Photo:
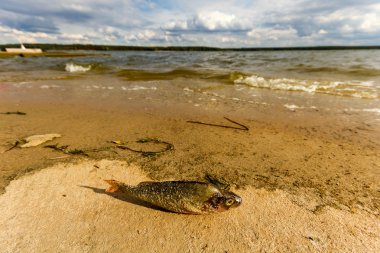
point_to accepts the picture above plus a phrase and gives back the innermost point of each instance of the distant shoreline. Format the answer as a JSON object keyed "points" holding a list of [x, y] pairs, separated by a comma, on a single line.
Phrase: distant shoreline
{"points": [[94, 47]]}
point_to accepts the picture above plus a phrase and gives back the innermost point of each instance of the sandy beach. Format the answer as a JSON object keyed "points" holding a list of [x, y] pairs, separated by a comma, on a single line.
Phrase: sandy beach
{"points": [[189, 126], [308, 178], [64, 208]]}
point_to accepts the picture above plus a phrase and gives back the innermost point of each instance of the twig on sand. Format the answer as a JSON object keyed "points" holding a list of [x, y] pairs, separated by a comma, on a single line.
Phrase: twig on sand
{"points": [[168, 147], [241, 126], [17, 113], [13, 146]]}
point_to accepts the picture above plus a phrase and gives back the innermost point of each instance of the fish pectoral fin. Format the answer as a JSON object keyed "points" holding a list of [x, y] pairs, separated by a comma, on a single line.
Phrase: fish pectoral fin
{"points": [[114, 185]]}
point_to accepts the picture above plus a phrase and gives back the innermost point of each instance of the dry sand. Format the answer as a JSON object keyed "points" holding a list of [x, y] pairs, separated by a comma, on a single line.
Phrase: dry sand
{"points": [[64, 209]]}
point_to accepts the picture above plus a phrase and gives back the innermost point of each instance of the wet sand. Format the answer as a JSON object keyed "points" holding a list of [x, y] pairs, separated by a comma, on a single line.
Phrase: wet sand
{"points": [[309, 179]]}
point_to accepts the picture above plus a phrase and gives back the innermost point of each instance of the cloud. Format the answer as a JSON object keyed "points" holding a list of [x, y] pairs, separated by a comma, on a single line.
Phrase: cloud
{"points": [[234, 23], [363, 19], [272, 34], [33, 24], [208, 21], [29, 37]]}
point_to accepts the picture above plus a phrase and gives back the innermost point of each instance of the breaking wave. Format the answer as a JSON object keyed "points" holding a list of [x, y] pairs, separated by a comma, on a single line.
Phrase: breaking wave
{"points": [[353, 88], [76, 68]]}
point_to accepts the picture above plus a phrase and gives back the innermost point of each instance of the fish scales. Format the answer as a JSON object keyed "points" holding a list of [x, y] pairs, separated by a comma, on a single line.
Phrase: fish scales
{"points": [[180, 196]]}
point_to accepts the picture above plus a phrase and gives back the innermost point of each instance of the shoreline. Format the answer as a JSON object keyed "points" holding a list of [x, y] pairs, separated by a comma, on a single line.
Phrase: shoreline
{"points": [[48, 54]]}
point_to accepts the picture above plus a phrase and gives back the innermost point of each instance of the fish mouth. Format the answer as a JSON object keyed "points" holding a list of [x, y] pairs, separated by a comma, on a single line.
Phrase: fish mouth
{"points": [[238, 201]]}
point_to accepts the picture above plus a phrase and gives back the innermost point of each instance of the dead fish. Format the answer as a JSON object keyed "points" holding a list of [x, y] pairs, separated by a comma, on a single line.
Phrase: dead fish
{"points": [[188, 197]]}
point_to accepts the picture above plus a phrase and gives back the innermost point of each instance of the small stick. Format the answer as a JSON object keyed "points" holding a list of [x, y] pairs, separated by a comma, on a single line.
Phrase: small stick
{"points": [[242, 127], [14, 146], [18, 113]]}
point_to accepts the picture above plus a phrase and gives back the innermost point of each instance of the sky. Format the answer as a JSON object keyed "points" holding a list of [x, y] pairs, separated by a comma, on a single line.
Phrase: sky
{"points": [[227, 23]]}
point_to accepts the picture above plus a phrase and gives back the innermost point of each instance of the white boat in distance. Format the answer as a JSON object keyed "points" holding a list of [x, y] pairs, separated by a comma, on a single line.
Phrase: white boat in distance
{"points": [[23, 49]]}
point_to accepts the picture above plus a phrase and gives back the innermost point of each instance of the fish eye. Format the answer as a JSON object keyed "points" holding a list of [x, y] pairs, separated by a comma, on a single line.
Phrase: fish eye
{"points": [[230, 202]]}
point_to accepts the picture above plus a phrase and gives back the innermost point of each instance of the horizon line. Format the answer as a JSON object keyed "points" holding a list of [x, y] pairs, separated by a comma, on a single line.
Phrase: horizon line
{"points": [[109, 47]]}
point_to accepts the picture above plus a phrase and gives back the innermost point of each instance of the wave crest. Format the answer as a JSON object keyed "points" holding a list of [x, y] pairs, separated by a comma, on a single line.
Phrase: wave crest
{"points": [[341, 88], [75, 68]]}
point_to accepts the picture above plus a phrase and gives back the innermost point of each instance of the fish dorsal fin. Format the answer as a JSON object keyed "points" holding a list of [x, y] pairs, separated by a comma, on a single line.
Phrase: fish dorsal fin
{"points": [[176, 181], [146, 183], [220, 183]]}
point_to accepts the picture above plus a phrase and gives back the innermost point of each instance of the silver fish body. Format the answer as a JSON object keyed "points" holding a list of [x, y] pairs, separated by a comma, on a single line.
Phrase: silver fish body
{"points": [[188, 197]]}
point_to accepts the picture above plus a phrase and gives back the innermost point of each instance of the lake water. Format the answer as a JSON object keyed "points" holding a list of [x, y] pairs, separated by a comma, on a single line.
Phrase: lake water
{"points": [[343, 80]]}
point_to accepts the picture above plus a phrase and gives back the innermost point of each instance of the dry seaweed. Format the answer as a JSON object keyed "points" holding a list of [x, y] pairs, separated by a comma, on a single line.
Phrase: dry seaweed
{"points": [[83, 152], [168, 146], [241, 126], [64, 150], [16, 113]]}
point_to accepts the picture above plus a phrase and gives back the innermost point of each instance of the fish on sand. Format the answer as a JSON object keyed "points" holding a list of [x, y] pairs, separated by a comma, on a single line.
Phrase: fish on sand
{"points": [[188, 197]]}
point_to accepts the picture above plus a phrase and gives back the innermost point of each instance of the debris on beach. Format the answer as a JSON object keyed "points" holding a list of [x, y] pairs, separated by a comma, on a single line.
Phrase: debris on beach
{"points": [[168, 146], [36, 140], [84, 152], [238, 127], [16, 113], [5, 148], [187, 197], [64, 149]]}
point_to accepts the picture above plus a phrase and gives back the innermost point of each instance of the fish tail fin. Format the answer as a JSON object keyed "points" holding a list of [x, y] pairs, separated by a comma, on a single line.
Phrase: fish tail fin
{"points": [[114, 185]]}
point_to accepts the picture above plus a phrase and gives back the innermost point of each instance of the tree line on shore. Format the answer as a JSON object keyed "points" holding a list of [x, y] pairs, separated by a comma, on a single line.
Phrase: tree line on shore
{"points": [[93, 47]]}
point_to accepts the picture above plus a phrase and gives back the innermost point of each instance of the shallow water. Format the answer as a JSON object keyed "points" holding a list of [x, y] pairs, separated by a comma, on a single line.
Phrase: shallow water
{"points": [[353, 73], [337, 82]]}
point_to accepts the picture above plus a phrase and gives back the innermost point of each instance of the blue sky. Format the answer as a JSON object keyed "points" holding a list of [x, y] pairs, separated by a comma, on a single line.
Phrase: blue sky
{"points": [[227, 23]]}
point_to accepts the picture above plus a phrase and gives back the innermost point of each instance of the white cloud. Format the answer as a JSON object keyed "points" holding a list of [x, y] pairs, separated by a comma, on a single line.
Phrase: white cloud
{"points": [[273, 34], [197, 22], [147, 37], [209, 21], [371, 22], [364, 19], [74, 38], [27, 37]]}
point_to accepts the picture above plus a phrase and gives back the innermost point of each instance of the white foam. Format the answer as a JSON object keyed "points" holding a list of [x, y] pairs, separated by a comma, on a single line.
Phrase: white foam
{"points": [[376, 110], [74, 68], [45, 86], [291, 107], [187, 89], [354, 88], [137, 87]]}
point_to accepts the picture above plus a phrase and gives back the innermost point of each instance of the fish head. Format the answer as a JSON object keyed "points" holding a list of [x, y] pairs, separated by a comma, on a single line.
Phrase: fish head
{"points": [[225, 201]]}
